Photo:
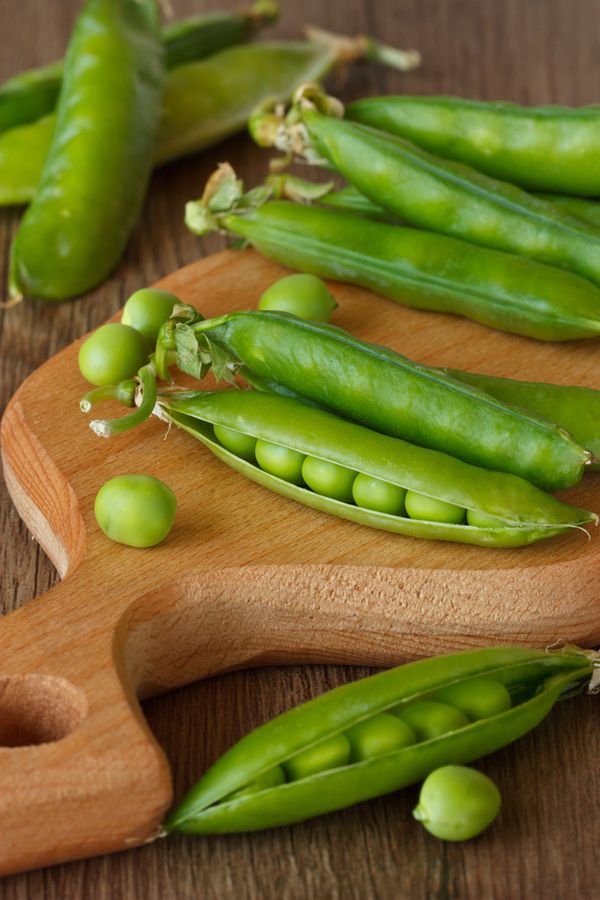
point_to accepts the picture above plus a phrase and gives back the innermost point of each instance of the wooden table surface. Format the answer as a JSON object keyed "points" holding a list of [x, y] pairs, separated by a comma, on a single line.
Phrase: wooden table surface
{"points": [[544, 843]]}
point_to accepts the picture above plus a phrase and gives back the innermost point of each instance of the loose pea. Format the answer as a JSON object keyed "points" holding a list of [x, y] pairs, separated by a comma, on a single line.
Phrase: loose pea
{"points": [[328, 478], [457, 803], [480, 698], [429, 719], [419, 506], [137, 510], [147, 309], [280, 461], [271, 778], [243, 445], [378, 735], [305, 296], [328, 754], [373, 493], [111, 354], [483, 520]]}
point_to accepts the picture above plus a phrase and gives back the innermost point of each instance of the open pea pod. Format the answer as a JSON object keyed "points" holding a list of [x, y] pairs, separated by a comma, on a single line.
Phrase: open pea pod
{"points": [[385, 391], [534, 680], [522, 513]]}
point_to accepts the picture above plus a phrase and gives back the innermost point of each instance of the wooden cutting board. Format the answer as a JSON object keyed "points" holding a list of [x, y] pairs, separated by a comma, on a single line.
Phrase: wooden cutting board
{"points": [[246, 578]]}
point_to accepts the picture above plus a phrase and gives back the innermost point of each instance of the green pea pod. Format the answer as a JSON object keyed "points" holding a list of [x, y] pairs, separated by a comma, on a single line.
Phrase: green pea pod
{"points": [[584, 209], [435, 194], [416, 268], [100, 158], [541, 678], [526, 513], [545, 148], [33, 94], [385, 391], [23, 152]]}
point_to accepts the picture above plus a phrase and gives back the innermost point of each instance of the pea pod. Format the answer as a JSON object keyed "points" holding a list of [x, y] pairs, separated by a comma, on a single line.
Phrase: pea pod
{"points": [[100, 158], [204, 102], [535, 679], [435, 194], [381, 389], [522, 513], [33, 94], [545, 148], [414, 267]]}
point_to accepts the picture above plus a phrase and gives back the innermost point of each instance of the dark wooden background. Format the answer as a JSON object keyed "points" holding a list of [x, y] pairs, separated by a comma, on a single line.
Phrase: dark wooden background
{"points": [[545, 841]]}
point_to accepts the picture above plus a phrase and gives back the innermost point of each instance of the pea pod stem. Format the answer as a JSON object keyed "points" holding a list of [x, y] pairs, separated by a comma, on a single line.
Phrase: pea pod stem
{"points": [[146, 397], [124, 393], [208, 809]]}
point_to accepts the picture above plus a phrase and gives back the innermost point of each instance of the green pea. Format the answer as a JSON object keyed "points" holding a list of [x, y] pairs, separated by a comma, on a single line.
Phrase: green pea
{"points": [[137, 510], [429, 719], [457, 803], [147, 310], [380, 734], [328, 478], [272, 778], [373, 493], [328, 754], [280, 461], [419, 506], [242, 445], [480, 698], [305, 296], [111, 354], [483, 520]]}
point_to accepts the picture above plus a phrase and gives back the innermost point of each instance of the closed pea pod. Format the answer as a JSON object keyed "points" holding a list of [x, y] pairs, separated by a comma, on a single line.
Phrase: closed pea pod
{"points": [[545, 148], [536, 680], [527, 513], [434, 194], [100, 158], [387, 392], [414, 267]]}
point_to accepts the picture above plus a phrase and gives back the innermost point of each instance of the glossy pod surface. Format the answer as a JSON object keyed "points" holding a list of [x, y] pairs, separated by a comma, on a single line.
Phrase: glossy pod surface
{"points": [[546, 148], [526, 513], [425, 270], [392, 394], [535, 680], [100, 158], [451, 198]]}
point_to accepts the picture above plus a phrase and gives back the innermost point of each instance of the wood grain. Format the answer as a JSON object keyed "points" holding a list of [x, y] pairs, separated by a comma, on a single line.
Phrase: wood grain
{"points": [[544, 844]]}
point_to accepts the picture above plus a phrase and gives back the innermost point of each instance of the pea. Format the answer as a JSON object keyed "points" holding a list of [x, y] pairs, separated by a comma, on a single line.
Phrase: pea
{"points": [[305, 296], [373, 493], [243, 445], [480, 698], [328, 754], [111, 354], [429, 719], [457, 803], [137, 510], [380, 734], [483, 520], [272, 778], [419, 506], [328, 478], [147, 310], [280, 461]]}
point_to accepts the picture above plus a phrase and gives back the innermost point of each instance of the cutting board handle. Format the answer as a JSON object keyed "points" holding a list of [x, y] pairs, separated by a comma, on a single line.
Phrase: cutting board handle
{"points": [[80, 771]]}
